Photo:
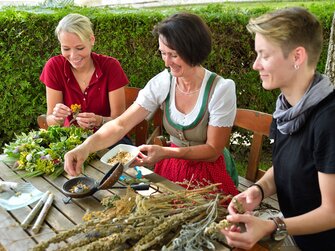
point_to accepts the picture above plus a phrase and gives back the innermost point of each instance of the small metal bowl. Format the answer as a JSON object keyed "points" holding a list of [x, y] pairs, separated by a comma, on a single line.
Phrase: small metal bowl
{"points": [[90, 185], [71, 184]]}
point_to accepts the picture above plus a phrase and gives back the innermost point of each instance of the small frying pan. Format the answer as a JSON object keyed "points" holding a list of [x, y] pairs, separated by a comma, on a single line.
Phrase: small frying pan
{"points": [[81, 187]]}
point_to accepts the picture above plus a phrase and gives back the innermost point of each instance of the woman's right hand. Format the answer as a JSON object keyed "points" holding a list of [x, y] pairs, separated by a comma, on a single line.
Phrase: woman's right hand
{"points": [[152, 156], [254, 229], [249, 199], [74, 160], [60, 112]]}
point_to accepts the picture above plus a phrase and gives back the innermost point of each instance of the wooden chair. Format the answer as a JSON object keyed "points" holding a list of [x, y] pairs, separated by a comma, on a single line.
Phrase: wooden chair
{"points": [[254, 121], [259, 124], [156, 126], [138, 134], [42, 121]]}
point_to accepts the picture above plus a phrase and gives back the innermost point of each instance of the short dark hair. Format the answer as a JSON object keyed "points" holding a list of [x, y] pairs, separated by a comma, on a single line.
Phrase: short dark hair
{"points": [[188, 35]]}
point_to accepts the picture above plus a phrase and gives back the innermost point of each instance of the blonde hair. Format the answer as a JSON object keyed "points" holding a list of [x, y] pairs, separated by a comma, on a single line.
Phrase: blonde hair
{"points": [[77, 24], [290, 28]]}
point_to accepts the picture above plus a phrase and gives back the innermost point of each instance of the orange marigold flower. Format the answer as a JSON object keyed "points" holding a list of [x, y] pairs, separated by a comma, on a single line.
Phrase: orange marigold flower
{"points": [[75, 108]]}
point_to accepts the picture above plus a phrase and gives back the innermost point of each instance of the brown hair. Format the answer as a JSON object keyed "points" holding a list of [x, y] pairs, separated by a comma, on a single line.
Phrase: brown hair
{"points": [[290, 28]]}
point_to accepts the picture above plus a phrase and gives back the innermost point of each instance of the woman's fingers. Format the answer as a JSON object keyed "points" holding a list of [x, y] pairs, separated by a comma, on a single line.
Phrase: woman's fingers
{"points": [[61, 111], [87, 120]]}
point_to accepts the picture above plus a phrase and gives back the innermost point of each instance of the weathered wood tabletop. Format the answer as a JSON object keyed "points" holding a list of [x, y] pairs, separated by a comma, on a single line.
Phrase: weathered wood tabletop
{"points": [[63, 216]]}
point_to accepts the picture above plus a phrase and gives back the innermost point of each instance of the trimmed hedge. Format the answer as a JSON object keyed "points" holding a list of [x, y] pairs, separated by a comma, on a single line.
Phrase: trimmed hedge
{"points": [[27, 41]]}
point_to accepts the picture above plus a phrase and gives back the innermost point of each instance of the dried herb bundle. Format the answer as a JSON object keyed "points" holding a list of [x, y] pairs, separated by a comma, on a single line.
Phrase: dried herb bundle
{"points": [[170, 221]]}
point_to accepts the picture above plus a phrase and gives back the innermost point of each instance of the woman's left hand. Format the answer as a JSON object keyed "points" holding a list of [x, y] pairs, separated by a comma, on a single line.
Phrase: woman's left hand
{"points": [[88, 120], [149, 155]]}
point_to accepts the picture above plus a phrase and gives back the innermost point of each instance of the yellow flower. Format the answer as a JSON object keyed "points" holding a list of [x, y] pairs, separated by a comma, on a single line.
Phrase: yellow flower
{"points": [[75, 108]]}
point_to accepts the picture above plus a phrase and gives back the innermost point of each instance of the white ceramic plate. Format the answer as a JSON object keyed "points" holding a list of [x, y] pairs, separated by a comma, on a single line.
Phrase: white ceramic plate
{"points": [[133, 150]]}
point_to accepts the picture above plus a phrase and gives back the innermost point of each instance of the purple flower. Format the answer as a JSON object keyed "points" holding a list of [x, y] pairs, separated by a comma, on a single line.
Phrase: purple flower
{"points": [[47, 157], [16, 150]]}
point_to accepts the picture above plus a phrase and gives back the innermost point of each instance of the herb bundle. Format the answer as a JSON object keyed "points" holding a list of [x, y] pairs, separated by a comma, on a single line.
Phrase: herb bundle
{"points": [[165, 221], [42, 151]]}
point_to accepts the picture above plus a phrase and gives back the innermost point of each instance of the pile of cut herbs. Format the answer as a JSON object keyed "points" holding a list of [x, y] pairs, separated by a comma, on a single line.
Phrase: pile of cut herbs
{"points": [[181, 220], [42, 151]]}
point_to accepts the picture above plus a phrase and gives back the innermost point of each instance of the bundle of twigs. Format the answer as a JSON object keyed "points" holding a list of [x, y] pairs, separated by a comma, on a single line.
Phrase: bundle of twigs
{"points": [[169, 221]]}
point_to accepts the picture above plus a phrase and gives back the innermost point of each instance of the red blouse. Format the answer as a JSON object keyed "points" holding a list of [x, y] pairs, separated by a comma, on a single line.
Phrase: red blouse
{"points": [[108, 76]]}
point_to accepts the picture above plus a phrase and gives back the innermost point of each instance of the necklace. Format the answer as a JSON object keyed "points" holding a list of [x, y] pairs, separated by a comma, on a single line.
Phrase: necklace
{"points": [[85, 80], [84, 83], [187, 93]]}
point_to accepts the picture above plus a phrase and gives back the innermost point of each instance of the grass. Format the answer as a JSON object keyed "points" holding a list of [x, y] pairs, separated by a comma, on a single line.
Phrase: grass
{"points": [[240, 148], [242, 163]]}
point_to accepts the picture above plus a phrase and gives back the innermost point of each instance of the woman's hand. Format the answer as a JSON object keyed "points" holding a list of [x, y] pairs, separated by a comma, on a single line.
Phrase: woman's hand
{"points": [[154, 153], [88, 120], [74, 160], [249, 199], [60, 112], [255, 230]]}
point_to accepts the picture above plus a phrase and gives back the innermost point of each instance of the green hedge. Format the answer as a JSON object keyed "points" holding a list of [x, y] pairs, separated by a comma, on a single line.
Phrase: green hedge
{"points": [[27, 41]]}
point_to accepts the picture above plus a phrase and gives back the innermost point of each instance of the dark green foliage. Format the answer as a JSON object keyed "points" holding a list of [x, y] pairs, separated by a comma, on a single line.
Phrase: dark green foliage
{"points": [[27, 41]]}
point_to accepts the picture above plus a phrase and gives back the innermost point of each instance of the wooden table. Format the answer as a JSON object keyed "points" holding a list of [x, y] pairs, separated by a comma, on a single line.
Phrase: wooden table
{"points": [[65, 216]]}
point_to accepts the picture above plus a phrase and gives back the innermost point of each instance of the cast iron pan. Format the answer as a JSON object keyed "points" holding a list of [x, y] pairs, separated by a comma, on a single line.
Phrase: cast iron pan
{"points": [[81, 187]]}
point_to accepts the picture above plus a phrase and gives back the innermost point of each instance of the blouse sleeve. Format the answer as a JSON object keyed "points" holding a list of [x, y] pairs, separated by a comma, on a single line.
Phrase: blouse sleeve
{"points": [[155, 92], [50, 74], [222, 106]]}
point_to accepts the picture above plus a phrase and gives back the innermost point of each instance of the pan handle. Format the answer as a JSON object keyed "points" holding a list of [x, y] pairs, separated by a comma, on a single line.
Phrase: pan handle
{"points": [[111, 177], [141, 186]]}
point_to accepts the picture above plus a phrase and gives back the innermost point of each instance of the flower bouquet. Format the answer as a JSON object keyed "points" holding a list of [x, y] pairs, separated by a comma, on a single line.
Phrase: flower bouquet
{"points": [[42, 151]]}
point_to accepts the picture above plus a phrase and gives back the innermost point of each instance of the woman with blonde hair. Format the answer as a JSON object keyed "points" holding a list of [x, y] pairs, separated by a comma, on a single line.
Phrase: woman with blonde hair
{"points": [[78, 76]]}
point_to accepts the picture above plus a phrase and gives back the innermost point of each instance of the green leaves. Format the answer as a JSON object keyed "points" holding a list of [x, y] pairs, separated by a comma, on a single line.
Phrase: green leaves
{"points": [[42, 152]]}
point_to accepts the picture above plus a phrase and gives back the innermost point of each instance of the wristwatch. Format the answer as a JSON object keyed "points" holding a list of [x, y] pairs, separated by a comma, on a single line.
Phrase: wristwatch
{"points": [[280, 232]]}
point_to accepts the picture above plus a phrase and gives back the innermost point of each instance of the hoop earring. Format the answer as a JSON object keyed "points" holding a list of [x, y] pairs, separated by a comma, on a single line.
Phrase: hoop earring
{"points": [[296, 66]]}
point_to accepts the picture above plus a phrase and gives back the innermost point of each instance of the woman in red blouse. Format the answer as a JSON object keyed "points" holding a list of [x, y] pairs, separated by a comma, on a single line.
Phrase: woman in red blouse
{"points": [[81, 77]]}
